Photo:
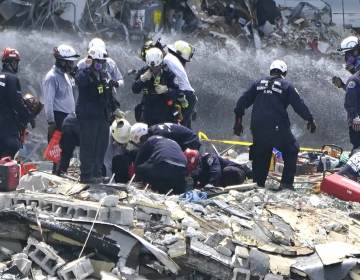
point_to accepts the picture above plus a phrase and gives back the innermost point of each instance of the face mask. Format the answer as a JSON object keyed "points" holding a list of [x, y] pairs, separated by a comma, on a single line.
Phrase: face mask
{"points": [[352, 63]]}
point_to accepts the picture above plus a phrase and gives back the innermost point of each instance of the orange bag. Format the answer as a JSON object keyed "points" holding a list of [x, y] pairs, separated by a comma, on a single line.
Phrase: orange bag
{"points": [[53, 151]]}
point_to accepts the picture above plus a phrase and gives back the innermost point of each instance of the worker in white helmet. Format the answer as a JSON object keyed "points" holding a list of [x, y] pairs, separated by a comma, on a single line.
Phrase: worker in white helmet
{"points": [[160, 91], [270, 124], [180, 53]]}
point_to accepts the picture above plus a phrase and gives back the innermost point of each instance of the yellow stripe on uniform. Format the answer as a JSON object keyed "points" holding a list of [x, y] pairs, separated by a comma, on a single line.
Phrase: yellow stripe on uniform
{"points": [[203, 137]]}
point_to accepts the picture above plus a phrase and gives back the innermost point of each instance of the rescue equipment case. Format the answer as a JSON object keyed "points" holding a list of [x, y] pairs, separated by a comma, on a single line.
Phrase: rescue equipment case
{"points": [[341, 187], [9, 174]]}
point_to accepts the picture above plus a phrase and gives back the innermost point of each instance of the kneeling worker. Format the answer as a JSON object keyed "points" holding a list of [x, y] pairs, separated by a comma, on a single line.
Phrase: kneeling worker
{"points": [[215, 170], [182, 135], [270, 124], [161, 163]]}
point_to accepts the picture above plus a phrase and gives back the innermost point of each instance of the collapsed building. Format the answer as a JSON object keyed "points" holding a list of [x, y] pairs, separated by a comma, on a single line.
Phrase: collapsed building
{"points": [[255, 23], [57, 228]]}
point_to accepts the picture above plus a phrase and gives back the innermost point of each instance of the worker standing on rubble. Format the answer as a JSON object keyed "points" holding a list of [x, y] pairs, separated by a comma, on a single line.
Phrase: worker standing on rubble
{"points": [[212, 169], [161, 163], [161, 92], [182, 135], [179, 54], [351, 48], [13, 110], [94, 114], [270, 124], [58, 89]]}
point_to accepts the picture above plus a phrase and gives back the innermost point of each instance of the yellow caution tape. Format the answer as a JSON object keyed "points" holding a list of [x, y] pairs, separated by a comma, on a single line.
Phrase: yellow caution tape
{"points": [[203, 137]]}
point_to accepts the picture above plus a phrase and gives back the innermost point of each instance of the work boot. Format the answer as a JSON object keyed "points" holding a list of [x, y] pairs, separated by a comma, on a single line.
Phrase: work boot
{"points": [[287, 186]]}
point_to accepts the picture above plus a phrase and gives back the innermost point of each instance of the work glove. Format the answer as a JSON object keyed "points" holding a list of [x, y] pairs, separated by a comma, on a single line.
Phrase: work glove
{"points": [[51, 129], [311, 126], [119, 114], [113, 83], [238, 128], [338, 82], [146, 76], [183, 102], [161, 89], [356, 124]]}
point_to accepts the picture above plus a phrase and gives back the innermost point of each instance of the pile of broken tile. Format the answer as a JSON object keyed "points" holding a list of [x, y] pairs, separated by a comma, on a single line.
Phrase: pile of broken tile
{"points": [[55, 228]]}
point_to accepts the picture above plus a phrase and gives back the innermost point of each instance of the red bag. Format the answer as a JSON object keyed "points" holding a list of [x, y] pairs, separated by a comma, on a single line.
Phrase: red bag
{"points": [[53, 151]]}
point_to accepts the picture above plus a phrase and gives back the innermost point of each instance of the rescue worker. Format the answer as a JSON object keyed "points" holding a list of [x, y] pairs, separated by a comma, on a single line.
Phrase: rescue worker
{"points": [[160, 91], [116, 160], [348, 47], [94, 114], [151, 44], [70, 139], [179, 54], [351, 48], [58, 90], [13, 110], [161, 163], [116, 79], [270, 124], [212, 169], [182, 135]]}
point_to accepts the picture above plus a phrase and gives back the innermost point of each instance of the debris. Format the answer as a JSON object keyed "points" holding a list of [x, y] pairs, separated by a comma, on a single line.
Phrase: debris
{"points": [[78, 269], [44, 256], [336, 252]]}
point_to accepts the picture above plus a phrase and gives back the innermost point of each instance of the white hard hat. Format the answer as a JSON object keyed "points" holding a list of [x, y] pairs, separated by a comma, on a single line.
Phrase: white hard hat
{"points": [[349, 43], [65, 52], [279, 65], [183, 49], [97, 53], [154, 57], [97, 42], [120, 131], [137, 131]]}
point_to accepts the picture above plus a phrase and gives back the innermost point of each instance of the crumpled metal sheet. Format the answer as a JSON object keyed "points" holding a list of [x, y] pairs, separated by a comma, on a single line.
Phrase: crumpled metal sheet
{"points": [[315, 270]]}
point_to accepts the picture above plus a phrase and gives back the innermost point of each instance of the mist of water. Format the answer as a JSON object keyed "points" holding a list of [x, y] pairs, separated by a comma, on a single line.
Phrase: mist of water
{"points": [[219, 76]]}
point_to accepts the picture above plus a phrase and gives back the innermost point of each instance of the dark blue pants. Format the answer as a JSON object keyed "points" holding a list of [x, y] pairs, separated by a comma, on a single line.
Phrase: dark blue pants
{"points": [[261, 153], [162, 176], [69, 141], [9, 146], [94, 136], [354, 138]]}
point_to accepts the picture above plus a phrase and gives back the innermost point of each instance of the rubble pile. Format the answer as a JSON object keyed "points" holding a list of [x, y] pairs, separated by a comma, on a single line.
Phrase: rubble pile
{"points": [[55, 228], [251, 23]]}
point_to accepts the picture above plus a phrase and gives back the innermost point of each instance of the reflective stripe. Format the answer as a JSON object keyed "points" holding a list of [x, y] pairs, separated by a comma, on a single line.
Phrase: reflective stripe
{"points": [[175, 163]]}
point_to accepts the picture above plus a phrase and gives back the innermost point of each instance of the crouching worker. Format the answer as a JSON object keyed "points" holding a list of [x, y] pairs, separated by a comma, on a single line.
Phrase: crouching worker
{"points": [[215, 170], [117, 157], [182, 135], [161, 163]]}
